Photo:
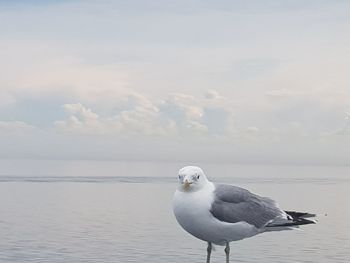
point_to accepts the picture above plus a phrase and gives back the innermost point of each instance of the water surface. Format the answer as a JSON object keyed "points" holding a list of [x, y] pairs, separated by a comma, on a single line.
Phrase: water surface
{"points": [[88, 211]]}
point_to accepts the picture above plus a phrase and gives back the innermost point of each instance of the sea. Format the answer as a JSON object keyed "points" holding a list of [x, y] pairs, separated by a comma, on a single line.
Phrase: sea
{"points": [[121, 211]]}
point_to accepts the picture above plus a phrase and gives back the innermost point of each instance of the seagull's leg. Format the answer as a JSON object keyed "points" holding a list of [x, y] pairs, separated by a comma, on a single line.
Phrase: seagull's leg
{"points": [[208, 252], [227, 251]]}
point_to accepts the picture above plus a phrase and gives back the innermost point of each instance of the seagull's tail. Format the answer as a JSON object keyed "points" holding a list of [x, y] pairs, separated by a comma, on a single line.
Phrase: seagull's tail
{"points": [[295, 219]]}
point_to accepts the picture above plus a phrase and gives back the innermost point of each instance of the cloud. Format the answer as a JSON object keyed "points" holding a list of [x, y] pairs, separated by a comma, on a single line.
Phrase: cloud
{"points": [[81, 120], [142, 119], [79, 109], [218, 120], [343, 131], [213, 95], [179, 114], [34, 70], [17, 127], [6, 98], [277, 93], [185, 111], [346, 127]]}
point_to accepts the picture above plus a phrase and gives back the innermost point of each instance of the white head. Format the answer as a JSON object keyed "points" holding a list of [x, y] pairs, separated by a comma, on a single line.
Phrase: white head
{"points": [[191, 179]]}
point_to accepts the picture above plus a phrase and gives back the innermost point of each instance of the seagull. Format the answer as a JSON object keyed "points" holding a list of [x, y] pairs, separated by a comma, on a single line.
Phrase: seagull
{"points": [[221, 213]]}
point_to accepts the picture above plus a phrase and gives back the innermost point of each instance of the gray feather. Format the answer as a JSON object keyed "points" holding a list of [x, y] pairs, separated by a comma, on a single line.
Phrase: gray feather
{"points": [[234, 204]]}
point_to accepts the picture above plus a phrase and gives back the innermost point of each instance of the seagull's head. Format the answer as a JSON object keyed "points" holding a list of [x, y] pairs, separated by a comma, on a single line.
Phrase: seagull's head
{"points": [[191, 179]]}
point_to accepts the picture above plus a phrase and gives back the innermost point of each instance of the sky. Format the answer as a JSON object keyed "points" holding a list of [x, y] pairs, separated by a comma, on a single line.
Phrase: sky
{"points": [[232, 81]]}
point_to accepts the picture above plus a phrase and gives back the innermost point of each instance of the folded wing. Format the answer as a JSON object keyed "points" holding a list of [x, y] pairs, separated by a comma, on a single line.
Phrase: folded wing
{"points": [[234, 204]]}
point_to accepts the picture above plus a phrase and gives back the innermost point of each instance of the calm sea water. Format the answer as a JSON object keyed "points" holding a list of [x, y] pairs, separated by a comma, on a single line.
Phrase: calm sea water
{"points": [[86, 211]]}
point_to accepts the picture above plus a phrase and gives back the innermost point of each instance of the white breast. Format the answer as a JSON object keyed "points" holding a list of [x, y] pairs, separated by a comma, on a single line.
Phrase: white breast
{"points": [[191, 208], [192, 211]]}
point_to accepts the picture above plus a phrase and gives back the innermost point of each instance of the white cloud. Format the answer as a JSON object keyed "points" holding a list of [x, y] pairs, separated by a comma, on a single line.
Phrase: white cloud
{"points": [[35, 70], [179, 114], [6, 98], [82, 121], [79, 109], [213, 95], [140, 120], [280, 93], [344, 130], [10, 127], [185, 111]]}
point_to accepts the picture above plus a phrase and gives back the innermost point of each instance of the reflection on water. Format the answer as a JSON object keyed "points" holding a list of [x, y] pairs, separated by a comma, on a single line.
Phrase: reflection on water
{"points": [[121, 212]]}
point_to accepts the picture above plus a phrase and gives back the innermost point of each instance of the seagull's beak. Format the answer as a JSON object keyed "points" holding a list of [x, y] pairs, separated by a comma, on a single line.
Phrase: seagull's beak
{"points": [[187, 185]]}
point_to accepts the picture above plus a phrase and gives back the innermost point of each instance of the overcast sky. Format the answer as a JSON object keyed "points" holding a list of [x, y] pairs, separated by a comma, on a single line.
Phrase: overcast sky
{"points": [[239, 81]]}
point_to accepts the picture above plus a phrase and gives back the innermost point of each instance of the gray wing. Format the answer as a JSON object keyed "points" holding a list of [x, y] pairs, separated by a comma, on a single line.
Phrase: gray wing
{"points": [[234, 204]]}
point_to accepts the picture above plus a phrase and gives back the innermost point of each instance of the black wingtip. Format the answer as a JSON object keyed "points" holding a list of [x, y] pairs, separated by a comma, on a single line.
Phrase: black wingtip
{"points": [[296, 219], [295, 214], [298, 222]]}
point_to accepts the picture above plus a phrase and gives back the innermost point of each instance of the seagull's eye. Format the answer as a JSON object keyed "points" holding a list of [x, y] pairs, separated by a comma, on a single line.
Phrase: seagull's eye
{"points": [[198, 176]]}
